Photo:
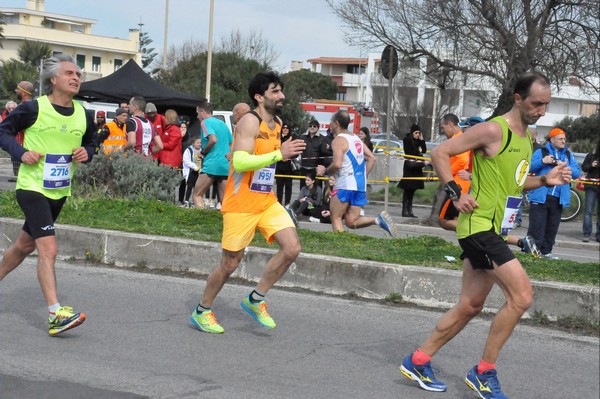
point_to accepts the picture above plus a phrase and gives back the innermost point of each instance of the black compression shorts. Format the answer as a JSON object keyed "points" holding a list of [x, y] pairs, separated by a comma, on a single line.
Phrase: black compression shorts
{"points": [[484, 248], [40, 212]]}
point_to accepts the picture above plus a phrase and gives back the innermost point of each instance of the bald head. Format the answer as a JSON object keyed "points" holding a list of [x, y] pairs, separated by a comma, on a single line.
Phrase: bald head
{"points": [[24, 91], [239, 110]]}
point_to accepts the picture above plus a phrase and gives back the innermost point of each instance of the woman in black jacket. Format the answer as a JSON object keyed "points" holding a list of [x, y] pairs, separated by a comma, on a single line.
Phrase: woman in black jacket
{"points": [[284, 184], [413, 145]]}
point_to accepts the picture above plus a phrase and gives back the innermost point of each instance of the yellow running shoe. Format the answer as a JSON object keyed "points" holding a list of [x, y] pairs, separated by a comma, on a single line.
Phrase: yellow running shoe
{"points": [[64, 320], [206, 321], [259, 312]]}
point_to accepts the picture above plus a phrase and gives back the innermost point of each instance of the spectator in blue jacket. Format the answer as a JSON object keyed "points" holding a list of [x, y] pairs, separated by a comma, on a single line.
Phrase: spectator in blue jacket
{"points": [[547, 203]]}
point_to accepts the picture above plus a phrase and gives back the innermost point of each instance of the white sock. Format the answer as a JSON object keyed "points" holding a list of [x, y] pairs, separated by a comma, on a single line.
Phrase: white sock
{"points": [[53, 308]]}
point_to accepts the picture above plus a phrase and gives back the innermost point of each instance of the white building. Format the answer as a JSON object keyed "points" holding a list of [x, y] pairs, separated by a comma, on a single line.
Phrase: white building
{"points": [[97, 56], [417, 96]]}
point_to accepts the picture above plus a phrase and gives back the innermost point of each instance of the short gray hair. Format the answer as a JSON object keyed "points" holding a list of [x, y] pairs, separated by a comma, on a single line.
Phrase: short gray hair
{"points": [[50, 70]]}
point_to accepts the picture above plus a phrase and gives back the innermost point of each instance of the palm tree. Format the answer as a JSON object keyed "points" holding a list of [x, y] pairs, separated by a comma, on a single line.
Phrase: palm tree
{"points": [[25, 68], [33, 52], [1, 29]]}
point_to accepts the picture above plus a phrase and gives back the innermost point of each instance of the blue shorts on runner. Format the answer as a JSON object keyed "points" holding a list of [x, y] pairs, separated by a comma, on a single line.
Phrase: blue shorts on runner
{"points": [[355, 198]]}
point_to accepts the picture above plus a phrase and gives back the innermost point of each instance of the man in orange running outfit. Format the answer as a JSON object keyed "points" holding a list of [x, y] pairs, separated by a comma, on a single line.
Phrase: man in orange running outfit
{"points": [[249, 203]]}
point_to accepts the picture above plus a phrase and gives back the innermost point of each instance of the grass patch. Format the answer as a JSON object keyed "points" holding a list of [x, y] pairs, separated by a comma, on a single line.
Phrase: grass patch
{"points": [[166, 219], [424, 197]]}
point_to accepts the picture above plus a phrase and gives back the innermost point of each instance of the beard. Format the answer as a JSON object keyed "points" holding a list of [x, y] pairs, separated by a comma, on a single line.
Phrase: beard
{"points": [[274, 106]]}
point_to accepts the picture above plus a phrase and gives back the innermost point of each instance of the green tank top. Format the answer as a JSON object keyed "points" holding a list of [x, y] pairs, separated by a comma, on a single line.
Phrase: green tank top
{"points": [[494, 180], [56, 136]]}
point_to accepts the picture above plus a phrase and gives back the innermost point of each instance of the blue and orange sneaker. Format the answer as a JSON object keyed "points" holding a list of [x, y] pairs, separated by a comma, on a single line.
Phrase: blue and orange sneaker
{"points": [[64, 319], [206, 321], [486, 384], [259, 312], [423, 375]]}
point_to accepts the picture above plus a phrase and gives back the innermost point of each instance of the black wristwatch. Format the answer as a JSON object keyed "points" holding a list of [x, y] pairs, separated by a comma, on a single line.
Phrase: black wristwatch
{"points": [[453, 190]]}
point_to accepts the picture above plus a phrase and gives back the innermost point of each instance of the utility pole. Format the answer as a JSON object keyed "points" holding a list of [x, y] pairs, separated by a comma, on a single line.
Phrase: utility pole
{"points": [[166, 30], [210, 46]]}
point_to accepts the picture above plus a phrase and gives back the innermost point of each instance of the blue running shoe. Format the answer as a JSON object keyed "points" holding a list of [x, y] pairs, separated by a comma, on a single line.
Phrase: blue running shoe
{"points": [[423, 375], [529, 247], [293, 216], [486, 385], [387, 223]]}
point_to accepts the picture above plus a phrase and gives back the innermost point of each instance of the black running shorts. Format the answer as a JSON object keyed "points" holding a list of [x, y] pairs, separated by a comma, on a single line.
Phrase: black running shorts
{"points": [[484, 248], [216, 178], [40, 212]]}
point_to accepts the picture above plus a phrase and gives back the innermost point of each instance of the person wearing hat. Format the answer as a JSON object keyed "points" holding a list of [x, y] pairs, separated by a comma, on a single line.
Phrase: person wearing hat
{"points": [[547, 203], [414, 145], [141, 135], [312, 155], [113, 135], [158, 121], [100, 121]]}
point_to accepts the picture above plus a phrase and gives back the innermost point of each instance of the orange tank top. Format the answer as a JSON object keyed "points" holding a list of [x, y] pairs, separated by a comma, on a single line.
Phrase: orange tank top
{"points": [[252, 191]]}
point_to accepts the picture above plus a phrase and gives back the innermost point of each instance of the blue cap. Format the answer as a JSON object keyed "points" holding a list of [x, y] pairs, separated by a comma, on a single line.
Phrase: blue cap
{"points": [[470, 122]]}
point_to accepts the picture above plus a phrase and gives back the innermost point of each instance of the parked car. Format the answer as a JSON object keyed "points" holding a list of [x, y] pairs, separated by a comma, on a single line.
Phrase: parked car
{"points": [[384, 136], [396, 147], [579, 157]]}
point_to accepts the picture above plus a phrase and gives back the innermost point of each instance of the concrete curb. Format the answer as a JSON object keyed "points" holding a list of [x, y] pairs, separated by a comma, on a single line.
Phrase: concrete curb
{"points": [[326, 274]]}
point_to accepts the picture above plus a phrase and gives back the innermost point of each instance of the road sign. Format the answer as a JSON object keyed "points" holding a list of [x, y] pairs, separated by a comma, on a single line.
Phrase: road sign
{"points": [[389, 62]]}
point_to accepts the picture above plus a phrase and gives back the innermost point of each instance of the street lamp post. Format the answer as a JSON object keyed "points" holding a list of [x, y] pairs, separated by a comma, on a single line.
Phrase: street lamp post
{"points": [[166, 30], [210, 46]]}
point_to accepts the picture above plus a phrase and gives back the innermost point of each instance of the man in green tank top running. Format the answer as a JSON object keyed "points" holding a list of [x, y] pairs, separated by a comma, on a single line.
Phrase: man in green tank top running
{"points": [[58, 135], [501, 157]]}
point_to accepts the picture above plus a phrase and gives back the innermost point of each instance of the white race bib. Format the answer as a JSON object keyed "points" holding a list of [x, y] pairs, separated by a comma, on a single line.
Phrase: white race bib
{"points": [[57, 170], [263, 179], [510, 214]]}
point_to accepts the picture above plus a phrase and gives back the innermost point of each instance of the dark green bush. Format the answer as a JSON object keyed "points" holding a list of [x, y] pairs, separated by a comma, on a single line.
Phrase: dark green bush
{"points": [[126, 175]]}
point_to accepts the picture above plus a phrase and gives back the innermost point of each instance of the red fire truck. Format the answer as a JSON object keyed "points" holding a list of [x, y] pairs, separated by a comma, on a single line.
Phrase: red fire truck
{"points": [[323, 110]]}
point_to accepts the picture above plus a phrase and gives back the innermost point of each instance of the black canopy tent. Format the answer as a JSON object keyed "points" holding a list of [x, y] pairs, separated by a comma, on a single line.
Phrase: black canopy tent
{"points": [[131, 80]]}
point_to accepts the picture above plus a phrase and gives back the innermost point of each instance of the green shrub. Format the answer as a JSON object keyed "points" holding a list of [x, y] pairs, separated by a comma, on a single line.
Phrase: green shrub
{"points": [[126, 175]]}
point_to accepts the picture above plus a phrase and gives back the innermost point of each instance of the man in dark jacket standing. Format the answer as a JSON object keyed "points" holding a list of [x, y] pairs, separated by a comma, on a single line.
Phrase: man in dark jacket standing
{"points": [[312, 155]]}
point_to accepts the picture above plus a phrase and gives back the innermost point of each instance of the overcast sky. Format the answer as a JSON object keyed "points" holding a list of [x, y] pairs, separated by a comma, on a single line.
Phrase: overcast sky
{"points": [[297, 29]]}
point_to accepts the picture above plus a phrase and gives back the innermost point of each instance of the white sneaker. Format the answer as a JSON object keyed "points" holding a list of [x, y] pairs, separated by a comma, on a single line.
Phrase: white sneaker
{"points": [[550, 256], [218, 206], [314, 220]]}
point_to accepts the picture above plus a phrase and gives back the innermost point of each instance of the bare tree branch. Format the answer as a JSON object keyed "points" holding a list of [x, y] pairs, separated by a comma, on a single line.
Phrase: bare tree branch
{"points": [[497, 39]]}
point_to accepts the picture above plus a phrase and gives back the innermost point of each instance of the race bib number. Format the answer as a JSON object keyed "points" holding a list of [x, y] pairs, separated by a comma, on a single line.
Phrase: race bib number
{"points": [[263, 179], [510, 214], [57, 170]]}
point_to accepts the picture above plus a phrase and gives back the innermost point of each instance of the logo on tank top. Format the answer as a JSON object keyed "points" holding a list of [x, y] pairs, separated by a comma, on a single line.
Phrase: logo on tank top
{"points": [[521, 172], [358, 146]]}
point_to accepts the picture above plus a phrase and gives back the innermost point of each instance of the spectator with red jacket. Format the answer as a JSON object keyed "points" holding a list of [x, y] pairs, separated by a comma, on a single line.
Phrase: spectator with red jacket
{"points": [[171, 153]]}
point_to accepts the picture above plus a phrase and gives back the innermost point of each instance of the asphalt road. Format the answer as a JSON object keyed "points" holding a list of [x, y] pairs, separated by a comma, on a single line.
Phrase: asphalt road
{"points": [[138, 343]]}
